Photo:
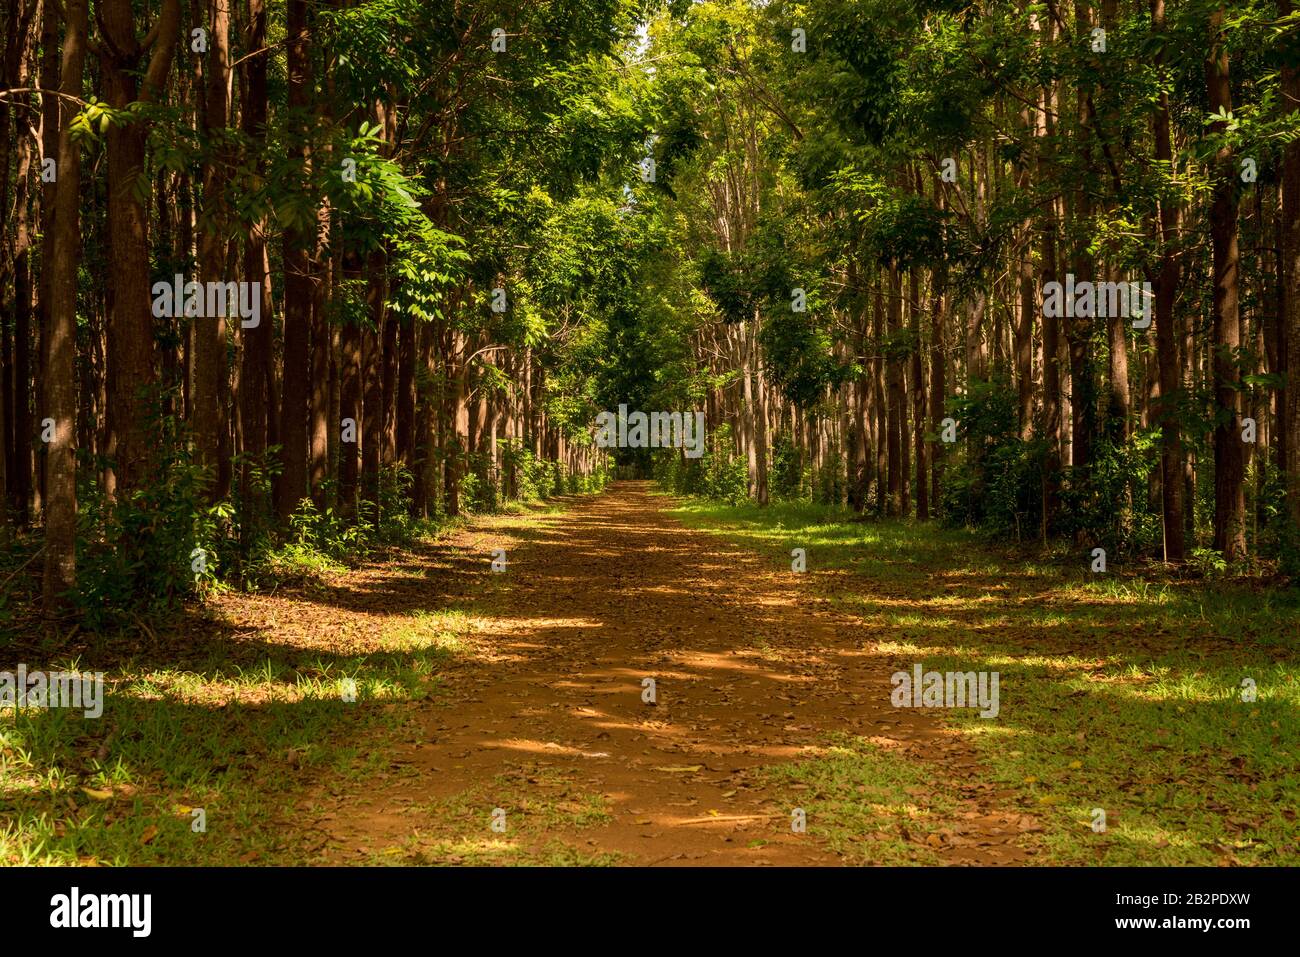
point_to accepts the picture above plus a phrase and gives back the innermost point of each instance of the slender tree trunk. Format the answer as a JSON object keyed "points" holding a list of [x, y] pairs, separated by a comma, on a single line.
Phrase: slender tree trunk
{"points": [[760, 417], [390, 362], [1290, 334], [861, 446], [425, 468], [453, 417], [372, 383], [210, 374], [25, 493], [322, 347], [406, 392], [294, 407], [919, 418], [1229, 461], [1024, 326], [897, 398], [1121, 402], [349, 399], [132, 366], [878, 396], [255, 394], [1167, 351], [60, 383]]}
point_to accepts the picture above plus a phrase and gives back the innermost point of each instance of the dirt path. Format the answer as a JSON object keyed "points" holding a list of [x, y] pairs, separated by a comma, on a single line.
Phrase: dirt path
{"points": [[546, 719]]}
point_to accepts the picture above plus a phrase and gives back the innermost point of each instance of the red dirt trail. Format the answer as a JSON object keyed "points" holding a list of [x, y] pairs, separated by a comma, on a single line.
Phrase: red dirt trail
{"points": [[752, 668]]}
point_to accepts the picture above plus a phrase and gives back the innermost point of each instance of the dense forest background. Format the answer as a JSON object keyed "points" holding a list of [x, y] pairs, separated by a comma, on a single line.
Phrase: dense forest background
{"points": [[465, 229]]}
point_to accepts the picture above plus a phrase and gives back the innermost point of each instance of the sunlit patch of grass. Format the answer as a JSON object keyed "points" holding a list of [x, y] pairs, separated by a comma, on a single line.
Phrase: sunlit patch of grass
{"points": [[864, 802], [293, 563], [228, 738], [1165, 749], [418, 850], [537, 507], [898, 647], [537, 801], [441, 634]]}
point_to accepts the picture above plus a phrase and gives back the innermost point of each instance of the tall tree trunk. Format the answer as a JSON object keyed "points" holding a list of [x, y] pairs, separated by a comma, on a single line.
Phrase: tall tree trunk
{"points": [[255, 394], [860, 448], [349, 399], [322, 347], [938, 386], [760, 417], [132, 355], [389, 373], [878, 395], [14, 387], [1229, 461], [50, 114], [1023, 331], [406, 392], [210, 374], [918, 408], [297, 244], [1078, 329], [425, 467], [1120, 403], [1167, 351], [60, 383], [372, 411], [894, 385], [938, 364], [453, 416], [319, 426], [1291, 283], [25, 454]]}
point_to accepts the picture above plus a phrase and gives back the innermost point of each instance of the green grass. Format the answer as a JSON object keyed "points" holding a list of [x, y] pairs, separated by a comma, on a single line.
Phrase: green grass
{"points": [[865, 803], [1121, 692], [231, 729], [536, 800]]}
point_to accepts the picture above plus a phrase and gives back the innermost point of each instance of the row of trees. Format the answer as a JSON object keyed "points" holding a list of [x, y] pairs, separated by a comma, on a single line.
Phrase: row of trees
{"points": [[463, 229], [877, 196], [413, 195]]}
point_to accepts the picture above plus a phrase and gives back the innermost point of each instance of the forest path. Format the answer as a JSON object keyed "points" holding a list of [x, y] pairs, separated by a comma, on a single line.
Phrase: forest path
{"points": [[544, 718]]}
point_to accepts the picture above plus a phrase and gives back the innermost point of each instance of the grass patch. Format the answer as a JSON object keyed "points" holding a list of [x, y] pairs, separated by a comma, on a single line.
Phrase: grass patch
{"points": [[536, 801], [865, 803], [229, 727], [1120, 692]]}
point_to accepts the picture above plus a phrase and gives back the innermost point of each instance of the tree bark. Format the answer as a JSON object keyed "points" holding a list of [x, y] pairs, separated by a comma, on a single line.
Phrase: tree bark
{"points": [[61, 383], [894, 386], [1291, 284], [1229, 461], [255, 393], [1167, 351], [210, 373], [297, 244], [132, 355], [349, 399]]}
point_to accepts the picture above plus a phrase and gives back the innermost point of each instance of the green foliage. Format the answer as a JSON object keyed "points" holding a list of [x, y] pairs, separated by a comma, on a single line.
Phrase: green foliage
{"points": [[831, 479], [997, 484], [1108, 506], [149, 550], [785, 478], [478, 491], [720, 474]]}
